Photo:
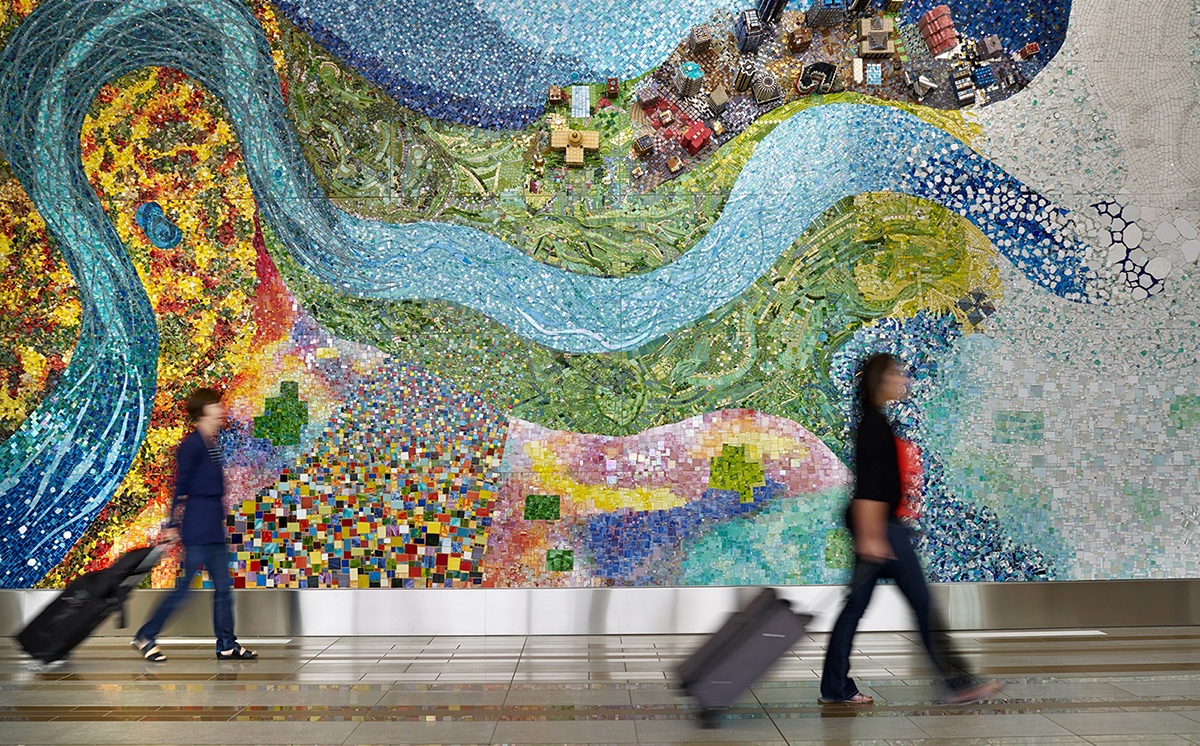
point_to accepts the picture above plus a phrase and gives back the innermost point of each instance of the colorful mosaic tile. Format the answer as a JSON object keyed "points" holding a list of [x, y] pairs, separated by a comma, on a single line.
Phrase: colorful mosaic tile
{"points": [[1017, 427], [454, 356], [396, 491], [731, 471], [501, 79], [839, 549], [284, 416], [560, 560], [630, 505], [542, 507]]}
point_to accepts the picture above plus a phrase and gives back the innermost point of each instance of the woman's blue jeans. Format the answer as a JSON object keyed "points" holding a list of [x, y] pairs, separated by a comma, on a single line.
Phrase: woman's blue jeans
{"points": [[214, 557], [905, 569]]}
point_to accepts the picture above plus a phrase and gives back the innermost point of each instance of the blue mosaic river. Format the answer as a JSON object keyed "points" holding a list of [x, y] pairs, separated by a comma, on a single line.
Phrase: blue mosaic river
{"points": [[67, 459]]}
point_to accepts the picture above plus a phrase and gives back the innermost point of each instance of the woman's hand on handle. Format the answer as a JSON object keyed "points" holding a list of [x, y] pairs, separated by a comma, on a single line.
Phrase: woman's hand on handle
{"points": [[869, 519], [874, 550]]}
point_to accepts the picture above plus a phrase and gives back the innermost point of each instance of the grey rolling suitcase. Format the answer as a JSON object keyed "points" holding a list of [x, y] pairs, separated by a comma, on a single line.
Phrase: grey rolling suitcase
{"points": [[740, 652]]}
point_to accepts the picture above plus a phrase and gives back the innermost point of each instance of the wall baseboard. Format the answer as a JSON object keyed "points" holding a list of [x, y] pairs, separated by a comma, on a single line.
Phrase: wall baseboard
{"points": [[632, 611]]}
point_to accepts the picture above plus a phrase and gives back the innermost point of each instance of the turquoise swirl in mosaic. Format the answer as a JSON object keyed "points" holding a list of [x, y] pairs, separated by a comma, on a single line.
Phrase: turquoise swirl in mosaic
{"points": [[62, 465]]}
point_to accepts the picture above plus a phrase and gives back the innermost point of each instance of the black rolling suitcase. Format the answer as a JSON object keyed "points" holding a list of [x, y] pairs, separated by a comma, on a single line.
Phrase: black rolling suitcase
{"points": [[740, 652], [84, 605]]}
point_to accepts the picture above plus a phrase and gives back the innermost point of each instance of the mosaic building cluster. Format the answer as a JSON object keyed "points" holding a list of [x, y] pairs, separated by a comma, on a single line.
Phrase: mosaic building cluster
{"points": [[529, 294]]}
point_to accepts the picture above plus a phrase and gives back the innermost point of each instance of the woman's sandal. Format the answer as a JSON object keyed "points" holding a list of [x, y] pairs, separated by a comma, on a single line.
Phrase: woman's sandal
{"points": [[978, 693], [857, 699], [237, 654], [149, 651]]}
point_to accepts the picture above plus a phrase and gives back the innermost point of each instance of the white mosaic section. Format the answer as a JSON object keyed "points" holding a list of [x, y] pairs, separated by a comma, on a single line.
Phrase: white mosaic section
{"points": [[1112, 474], [1116, 109], [1111, 128]]}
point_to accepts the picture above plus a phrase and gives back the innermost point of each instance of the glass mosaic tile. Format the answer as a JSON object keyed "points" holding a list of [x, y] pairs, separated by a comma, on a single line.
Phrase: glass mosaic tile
{"points": [[452, 358]]}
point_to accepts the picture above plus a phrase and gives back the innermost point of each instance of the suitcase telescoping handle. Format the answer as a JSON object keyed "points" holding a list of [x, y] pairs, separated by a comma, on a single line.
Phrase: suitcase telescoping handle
{"points": [[147, 564]]}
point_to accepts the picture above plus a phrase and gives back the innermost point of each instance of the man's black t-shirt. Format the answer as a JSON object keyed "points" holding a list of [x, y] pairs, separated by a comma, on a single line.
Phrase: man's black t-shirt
{"points": [[876, 465]]}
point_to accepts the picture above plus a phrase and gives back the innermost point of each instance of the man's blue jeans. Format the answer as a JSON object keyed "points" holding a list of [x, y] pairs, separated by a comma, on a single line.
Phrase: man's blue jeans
{"points": [[214, 558]]}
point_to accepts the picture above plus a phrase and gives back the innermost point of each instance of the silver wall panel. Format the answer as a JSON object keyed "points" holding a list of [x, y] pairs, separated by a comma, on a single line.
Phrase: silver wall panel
{"points": [[629, 611]]}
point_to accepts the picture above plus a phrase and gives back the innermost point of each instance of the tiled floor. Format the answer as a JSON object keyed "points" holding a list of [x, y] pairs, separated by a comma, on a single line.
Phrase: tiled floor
{"points": [[1131, 685]]}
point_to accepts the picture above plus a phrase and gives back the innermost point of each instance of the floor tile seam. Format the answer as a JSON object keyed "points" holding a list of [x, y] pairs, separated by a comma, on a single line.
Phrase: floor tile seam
{"points": [[598, 654], [598, 651], [885, 710], [512, 679], [933, 735], [570, 712], [1095, 641], [770, 716], [262, 695], [1075, 671], [1103, 644], [1127, 736], [269, 679]]}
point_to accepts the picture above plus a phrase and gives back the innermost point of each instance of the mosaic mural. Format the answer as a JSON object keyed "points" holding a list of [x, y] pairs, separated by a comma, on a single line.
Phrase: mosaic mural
{"points": [[550, 294]]}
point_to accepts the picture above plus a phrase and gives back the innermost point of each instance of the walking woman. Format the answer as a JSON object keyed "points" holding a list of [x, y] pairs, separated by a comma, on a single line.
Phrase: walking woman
{"points": [[197, 519], [883, 544]]}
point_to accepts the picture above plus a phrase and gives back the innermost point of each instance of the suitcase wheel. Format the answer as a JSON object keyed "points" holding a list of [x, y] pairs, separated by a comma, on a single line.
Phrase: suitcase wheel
{"points": [[710, 718]]}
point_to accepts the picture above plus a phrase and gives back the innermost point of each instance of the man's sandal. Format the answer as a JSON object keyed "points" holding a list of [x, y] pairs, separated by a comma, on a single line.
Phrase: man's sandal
{"points": [[149, 650], [237, 654]]}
